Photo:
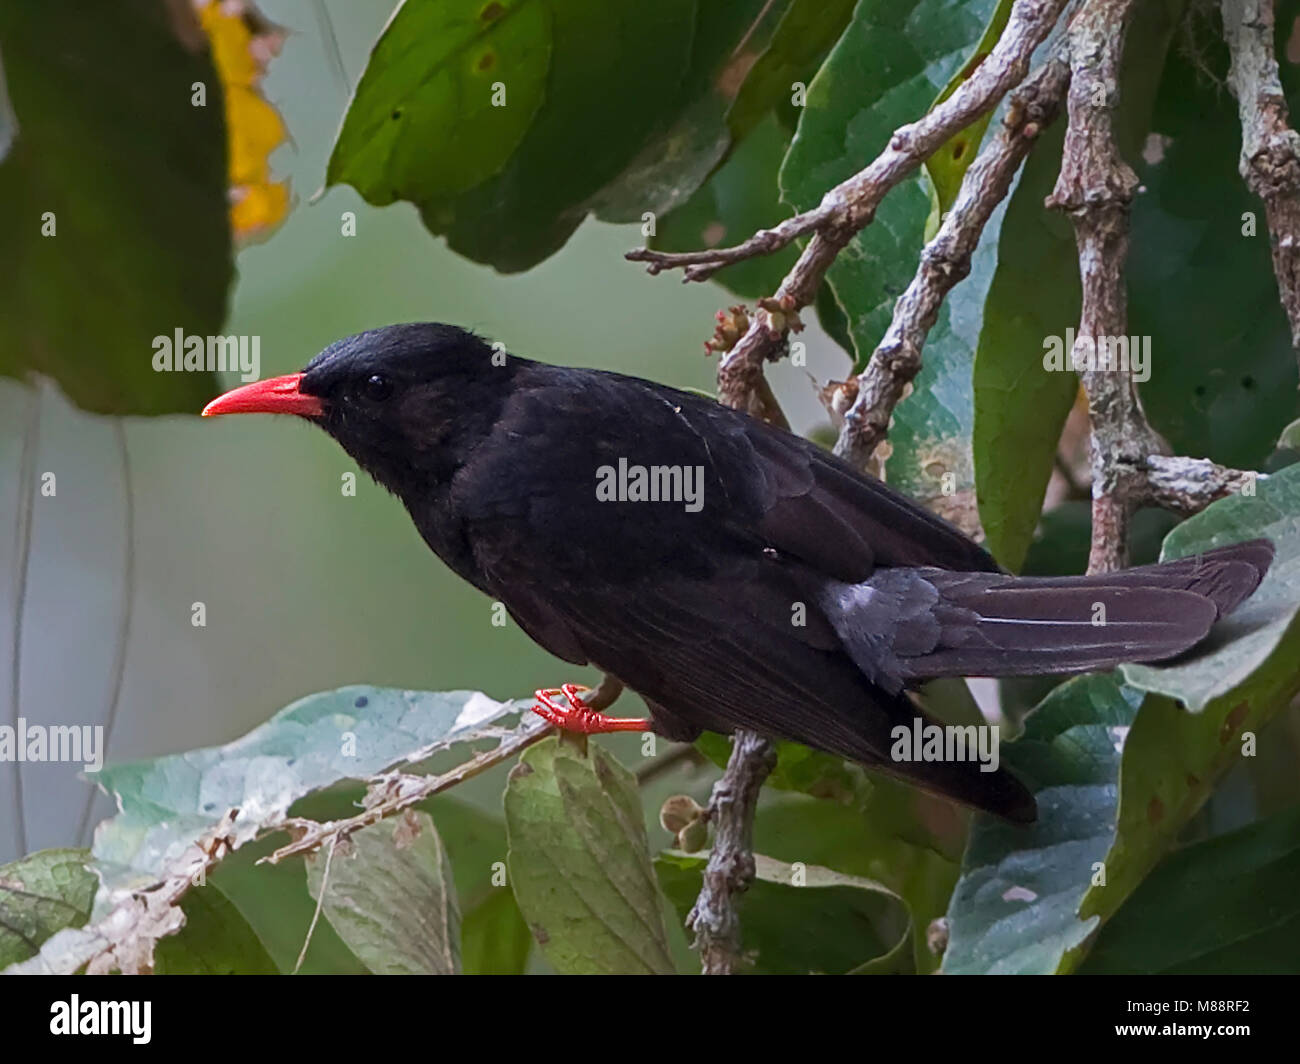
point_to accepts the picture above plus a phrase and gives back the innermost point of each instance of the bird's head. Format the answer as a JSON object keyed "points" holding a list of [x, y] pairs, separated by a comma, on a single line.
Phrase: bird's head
{"points": [[406, 401]]}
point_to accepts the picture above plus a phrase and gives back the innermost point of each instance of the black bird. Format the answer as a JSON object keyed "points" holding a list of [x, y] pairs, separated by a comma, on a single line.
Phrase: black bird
{"points": [[770, 586]]}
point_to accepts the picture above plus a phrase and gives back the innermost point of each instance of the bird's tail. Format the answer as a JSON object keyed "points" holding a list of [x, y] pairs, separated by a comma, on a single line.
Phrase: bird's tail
{"points": [[986, 624]]}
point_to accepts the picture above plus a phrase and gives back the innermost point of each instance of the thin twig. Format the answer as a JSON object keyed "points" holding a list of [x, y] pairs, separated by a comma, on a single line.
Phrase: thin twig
{"points": [[851, 205], [118, 671], [330, 40], [1270, 148], [730, 869], [22, 566], [398, 791], [945, 261], [403, 791], [1188, 485], [320, 903], [665, 763]]}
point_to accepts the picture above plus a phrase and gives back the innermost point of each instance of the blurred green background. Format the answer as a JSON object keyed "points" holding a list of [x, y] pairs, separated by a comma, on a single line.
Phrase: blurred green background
{"points": [[305, 589]]}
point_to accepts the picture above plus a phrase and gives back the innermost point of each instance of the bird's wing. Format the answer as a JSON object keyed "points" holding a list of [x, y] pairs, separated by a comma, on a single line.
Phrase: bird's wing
{"points": [[821, 510], [760, 487]]}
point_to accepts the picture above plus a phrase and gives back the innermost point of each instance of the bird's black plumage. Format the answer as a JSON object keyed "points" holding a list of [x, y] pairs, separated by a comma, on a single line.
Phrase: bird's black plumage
{"points": [[801, 599]]}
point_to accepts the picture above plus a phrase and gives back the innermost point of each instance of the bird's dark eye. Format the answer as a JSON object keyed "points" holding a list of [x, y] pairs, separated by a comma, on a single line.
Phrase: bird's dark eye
{"points": [[377, 387]]}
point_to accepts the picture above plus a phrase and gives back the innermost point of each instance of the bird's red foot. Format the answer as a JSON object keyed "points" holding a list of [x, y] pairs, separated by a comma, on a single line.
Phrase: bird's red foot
{"points": [[577, 716]]}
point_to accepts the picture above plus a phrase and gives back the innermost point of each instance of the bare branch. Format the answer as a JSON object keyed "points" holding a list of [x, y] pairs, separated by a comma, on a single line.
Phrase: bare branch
{"points": [[125, 938], [683, 754], [394, 792], [844, 210], [730, 870], [945, 261], [701, 265], [1188, 485], [1096, 188], [1270, 149], [850, 206]]}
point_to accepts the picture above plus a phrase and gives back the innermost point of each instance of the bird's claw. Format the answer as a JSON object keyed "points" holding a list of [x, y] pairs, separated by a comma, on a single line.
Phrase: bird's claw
{"points": [[574, 715]]}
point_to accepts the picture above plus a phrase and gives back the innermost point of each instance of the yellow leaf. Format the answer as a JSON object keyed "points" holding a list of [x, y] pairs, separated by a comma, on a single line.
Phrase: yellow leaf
{"points": [[243, 43]]}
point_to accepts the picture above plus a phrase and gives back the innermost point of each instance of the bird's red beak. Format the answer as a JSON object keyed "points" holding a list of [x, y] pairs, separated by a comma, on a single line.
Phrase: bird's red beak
{"points": [[275, 395]]}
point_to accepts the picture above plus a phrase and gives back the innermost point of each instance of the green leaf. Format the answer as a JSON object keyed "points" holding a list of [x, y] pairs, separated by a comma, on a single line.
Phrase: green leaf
{"points": [[1014, 909], [1289, 437], [798, 919], [170, 804], [931, 457], [1172, 757], [40, 894], [579, 862], [801, 768], [673, 163], [1222, 371], [1020, 409], [855, 103], [274, 900], [353, 732], [886, 69], [494, 940], [947, 167], [890, 806], [389, 894], [216, 940], [739, 199], [638, 92], [611, 67], [1224, 906], [1030, 899], [1263, 630], [422, 123], [876, 846], [806, 33], [140, 244]]}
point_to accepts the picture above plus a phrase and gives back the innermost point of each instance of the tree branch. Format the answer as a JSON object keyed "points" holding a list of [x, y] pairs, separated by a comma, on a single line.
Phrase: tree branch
{"points": [[851, 205], [1270, 149], [945, 261], [730, 870], [1096, 188], [844, 210], [394, 792], [1188, 485]]}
